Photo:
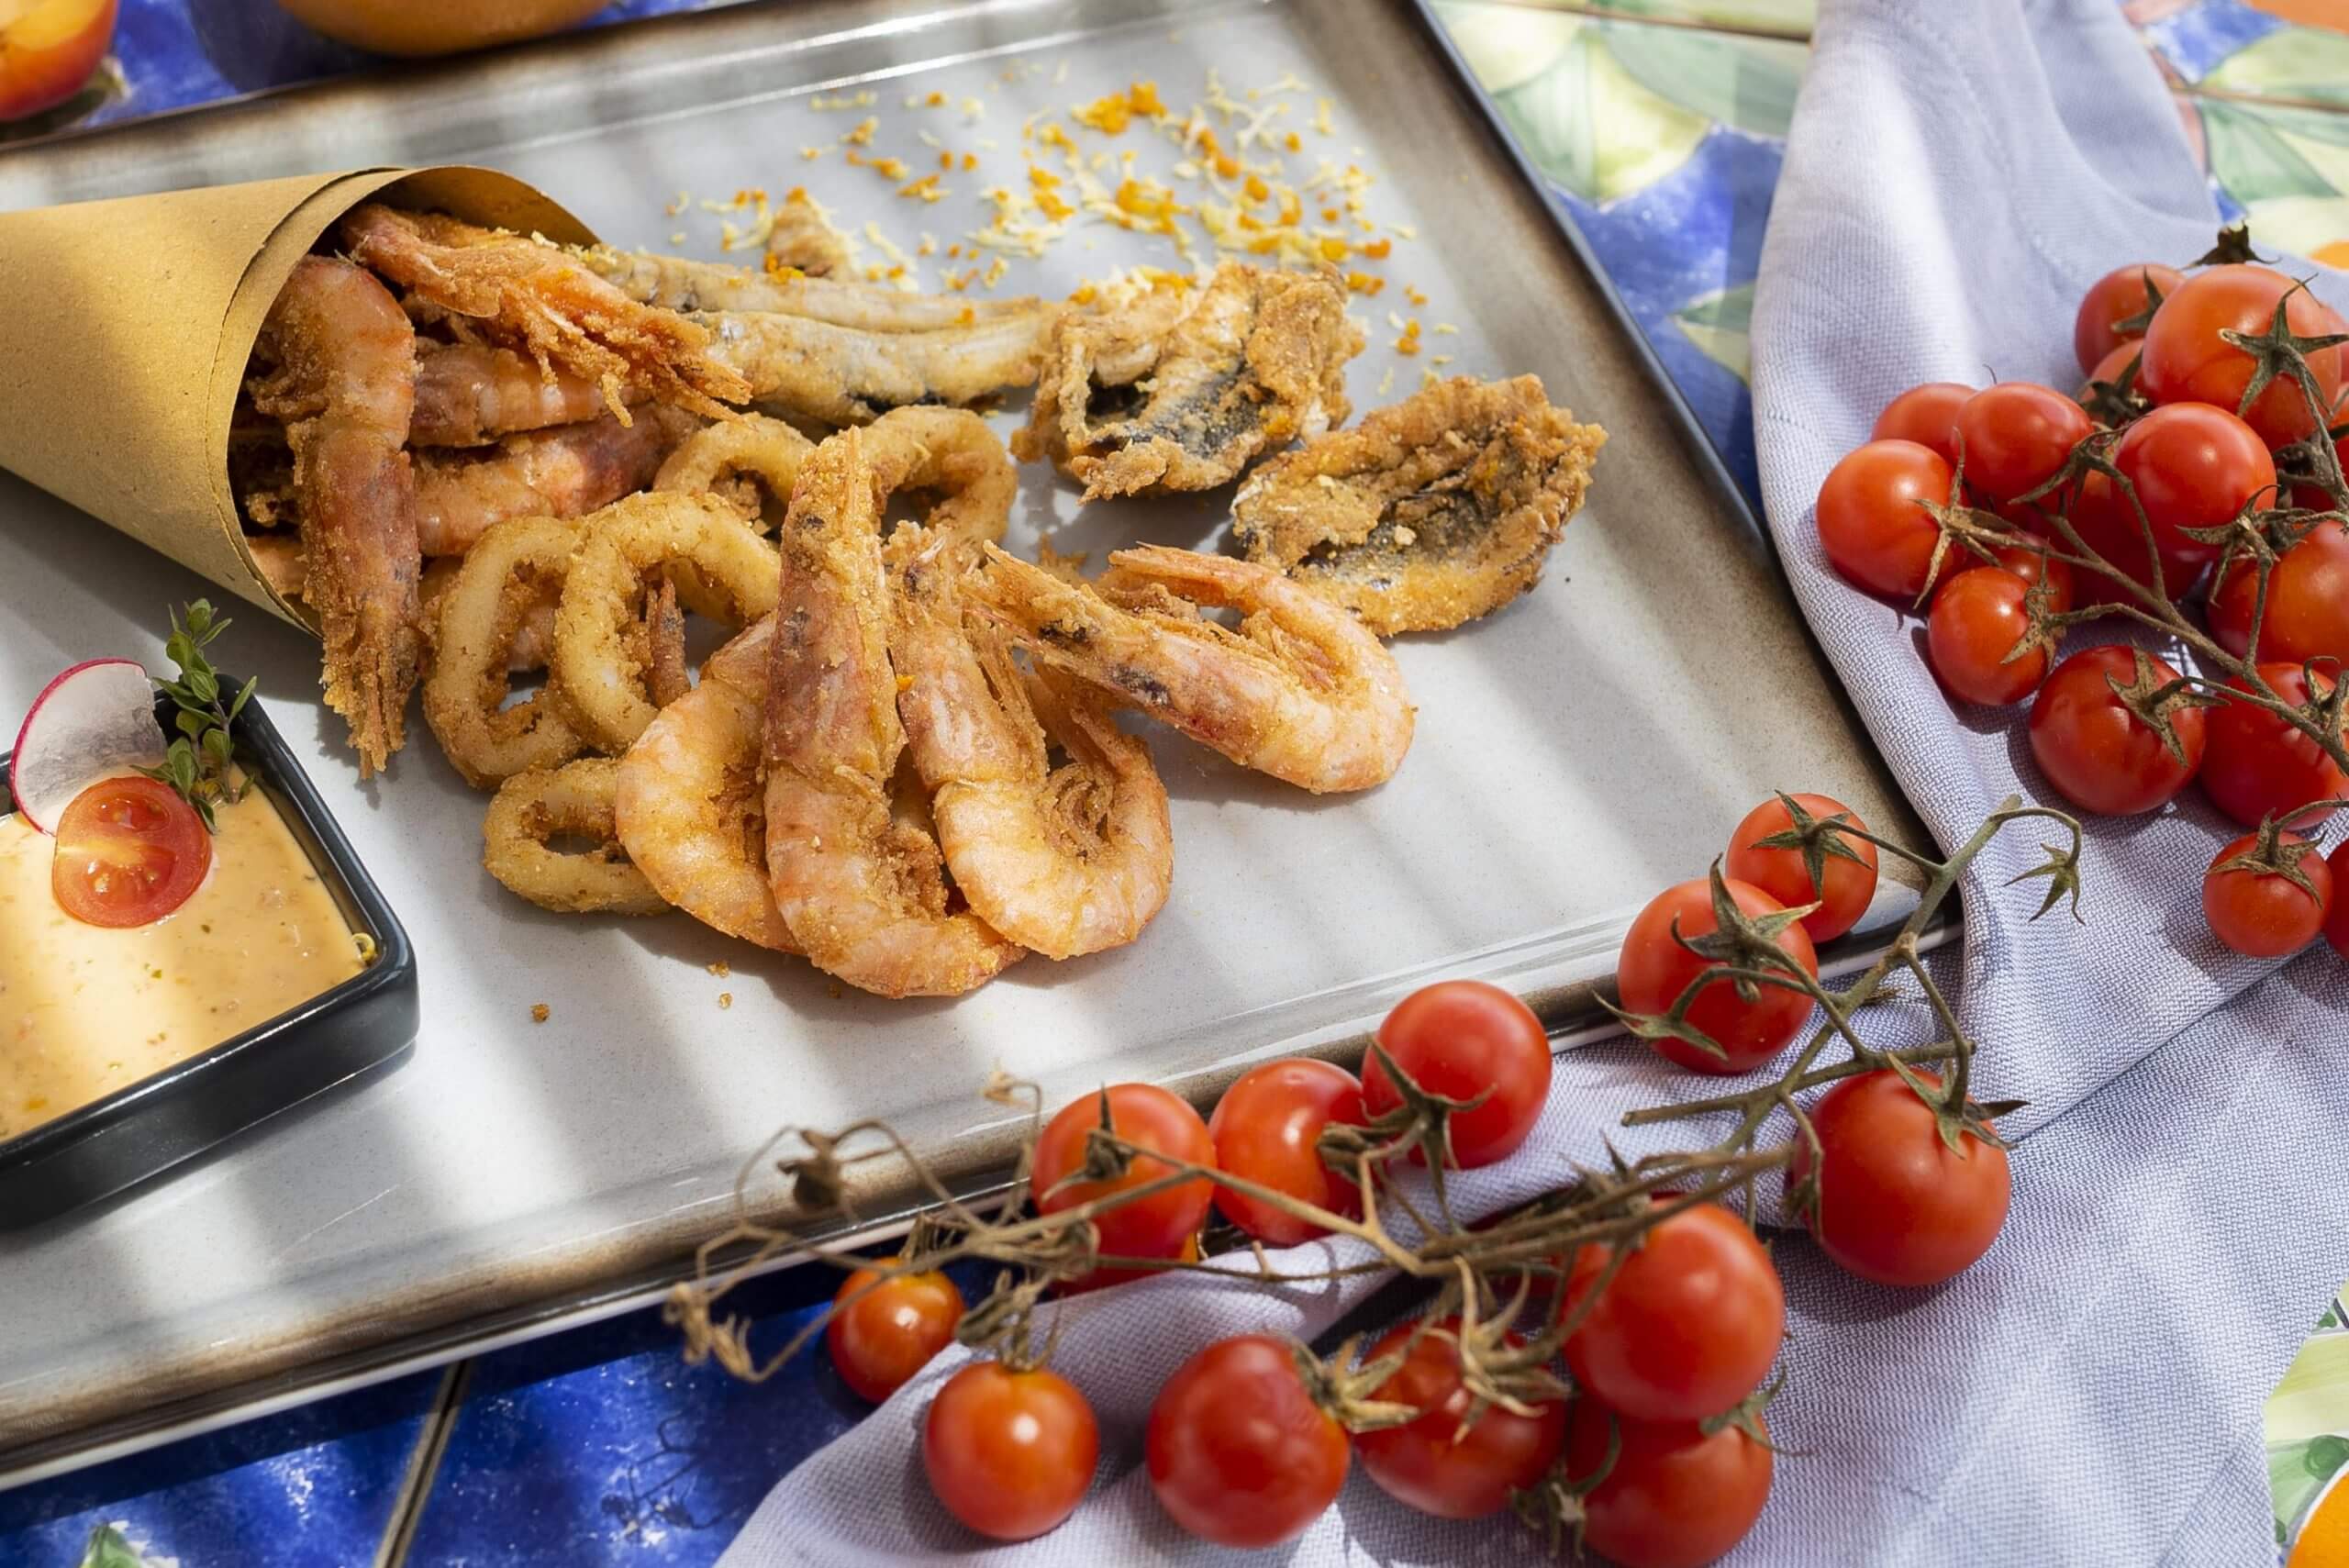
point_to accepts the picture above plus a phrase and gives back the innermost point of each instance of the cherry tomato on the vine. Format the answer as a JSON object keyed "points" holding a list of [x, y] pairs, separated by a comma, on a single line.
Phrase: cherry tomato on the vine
{"points": [[1870, 522], [2263, 914], [1010, 1453], [1782, 874], [2337, 923], [1109, 1275], [2308, 601], [1653, 970], [2188, 362], [2014, 437], [2119, 295], [1238, 1450], [1267, 1128], [1152, 1226], [1429, 1463], [1675, 1498], [1460, 1038], [2098, 755], [1896, 1204], [880, 1339], [1925, 414], [1978, 619], [2193, 466], [2259, 766], [2106, 369], [2108, 525], [2031, 566], [1689, 1324], [130, 850]]}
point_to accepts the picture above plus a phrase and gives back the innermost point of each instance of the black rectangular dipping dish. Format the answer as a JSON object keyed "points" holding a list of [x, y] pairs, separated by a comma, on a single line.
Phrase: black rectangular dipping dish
{"points": [[359, 1030]]}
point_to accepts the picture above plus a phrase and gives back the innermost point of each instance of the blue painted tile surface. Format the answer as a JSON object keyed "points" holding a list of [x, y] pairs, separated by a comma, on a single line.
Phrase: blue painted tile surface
{"points": [[2199, 37]]}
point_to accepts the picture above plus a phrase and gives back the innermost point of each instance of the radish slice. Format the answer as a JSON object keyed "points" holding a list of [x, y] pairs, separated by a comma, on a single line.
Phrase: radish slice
{"points": [[93, 721]]}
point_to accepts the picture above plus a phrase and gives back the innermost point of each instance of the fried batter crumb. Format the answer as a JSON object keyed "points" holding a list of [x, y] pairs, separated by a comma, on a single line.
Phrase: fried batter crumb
{"points": [[725, 999], [540, 1012], [722, 968]]}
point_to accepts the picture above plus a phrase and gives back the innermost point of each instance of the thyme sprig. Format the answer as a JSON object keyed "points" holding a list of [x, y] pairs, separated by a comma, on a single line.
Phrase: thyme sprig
{"points": [[200, 762]]}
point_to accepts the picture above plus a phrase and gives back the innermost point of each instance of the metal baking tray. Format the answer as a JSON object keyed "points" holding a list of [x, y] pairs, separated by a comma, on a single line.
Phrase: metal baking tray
{"points": [[1574, 752], [359, 1030]]}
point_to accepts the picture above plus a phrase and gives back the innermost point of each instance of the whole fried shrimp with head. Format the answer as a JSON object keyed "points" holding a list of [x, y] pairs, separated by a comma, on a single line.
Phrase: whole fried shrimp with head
{"points": [[1428, 513], [854, 867], [539, 299], [338, 360], [1300, 690]]}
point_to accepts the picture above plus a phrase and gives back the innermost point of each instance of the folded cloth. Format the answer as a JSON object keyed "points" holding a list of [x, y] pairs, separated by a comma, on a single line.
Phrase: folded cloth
{"points": [[2090, 1391]]}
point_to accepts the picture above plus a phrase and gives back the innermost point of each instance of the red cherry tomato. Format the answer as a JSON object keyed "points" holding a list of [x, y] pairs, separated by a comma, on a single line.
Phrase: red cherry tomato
{"points": [[2257, 765], [2097, 754], [130, 850], [2307, 602], [1870, 522], [1267, 1128], [880, 1339], [1153, 1226], [1675, 1498], [2259, 912], [1010, 1453], [1976, 620], [2193, 467], [1689, 1324], [1237, 1449], [1653, 970], [1926, 415], [1109, 1275], [2117, 297], [1897, 1205], [48, 50], [2108, 526], [2106, 369], [2336, 922], [2188, 362], [1782, 874], [2014, 437], [2028, 564], [1459, 1039], [1429, 1463]]}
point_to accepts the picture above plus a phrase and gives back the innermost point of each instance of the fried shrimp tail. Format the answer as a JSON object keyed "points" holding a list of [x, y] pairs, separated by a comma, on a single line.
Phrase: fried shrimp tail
{"points": [[341, 375], [854, 868], [540, 299], [1300, 690]]}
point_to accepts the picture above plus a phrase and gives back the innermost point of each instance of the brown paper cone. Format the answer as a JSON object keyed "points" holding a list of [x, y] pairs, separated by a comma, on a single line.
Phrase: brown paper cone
{"points": [[125, 326]]}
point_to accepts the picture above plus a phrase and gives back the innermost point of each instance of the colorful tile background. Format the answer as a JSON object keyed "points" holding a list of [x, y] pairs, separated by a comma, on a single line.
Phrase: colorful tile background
{"points": [[1660, 126]]}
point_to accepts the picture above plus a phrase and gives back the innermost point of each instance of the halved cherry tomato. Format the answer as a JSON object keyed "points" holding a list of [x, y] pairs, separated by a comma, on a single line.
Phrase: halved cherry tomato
{"points": [[1653, 968], [2014, 437], [1896, 1204], [1238, 1450], [1676, 1497], [2263, 914], [2307, 602], [2188, 362], [1926, 415], [1689, 1324], [1978, 619], [130, 852], [1870, 522], [2114, 298], [1148, 1116], [1785, 876], [1460, 1039], [1430, 1463], [880, 1339], [1267, 1128], [1010, 1453], [2193, 466], [2097, 754], [2257, 765]]}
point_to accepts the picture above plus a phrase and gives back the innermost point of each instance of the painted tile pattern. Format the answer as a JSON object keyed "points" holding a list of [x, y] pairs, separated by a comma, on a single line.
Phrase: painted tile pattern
{"points": [[1660, 126]]}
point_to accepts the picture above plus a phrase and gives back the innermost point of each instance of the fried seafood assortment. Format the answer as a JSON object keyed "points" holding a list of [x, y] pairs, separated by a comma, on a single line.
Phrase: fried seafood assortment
{"points": [[477, 455]]}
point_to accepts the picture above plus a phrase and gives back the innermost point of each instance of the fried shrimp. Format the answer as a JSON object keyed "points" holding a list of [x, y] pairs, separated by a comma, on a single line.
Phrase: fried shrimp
{"points": [[1064, 860], [543, 302], [566, 472], [504, 579], [1428, 513], [340, 360], [842, 374], [1300, 691], [598, 680], [468, 394], [854, 868], [689, 805], [1181, 389], [572, 801], [722, 459], [681, 283]]}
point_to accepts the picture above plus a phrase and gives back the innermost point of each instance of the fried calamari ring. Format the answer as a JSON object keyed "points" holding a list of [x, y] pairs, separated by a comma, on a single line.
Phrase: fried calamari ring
{"points": [[574, 800], [484, 612], [599, 673], [951, 451], [720, 460]]}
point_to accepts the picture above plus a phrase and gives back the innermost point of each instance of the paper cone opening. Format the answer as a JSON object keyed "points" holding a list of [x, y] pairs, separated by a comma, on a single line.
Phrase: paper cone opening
{"points": [[126, 326]]}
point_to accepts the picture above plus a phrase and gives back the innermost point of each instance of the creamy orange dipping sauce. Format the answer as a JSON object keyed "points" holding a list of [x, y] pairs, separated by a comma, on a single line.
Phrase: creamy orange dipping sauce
{"points": [[84, 1010]]}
